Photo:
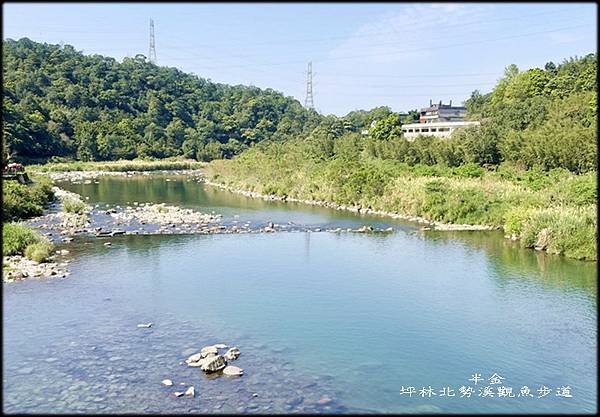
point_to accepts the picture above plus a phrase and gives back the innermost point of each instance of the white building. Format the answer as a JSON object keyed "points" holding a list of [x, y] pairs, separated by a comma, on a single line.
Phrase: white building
{"points": [[439, 129]]}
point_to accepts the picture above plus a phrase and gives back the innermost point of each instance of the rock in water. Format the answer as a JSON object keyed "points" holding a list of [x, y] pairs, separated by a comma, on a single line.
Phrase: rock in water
{"points": [[194, 358], [213, 364], [208, 350], [190, 392], [233, 371], [144, 326], [232, 354], [221, 346], [167, 382], [178, 394]]}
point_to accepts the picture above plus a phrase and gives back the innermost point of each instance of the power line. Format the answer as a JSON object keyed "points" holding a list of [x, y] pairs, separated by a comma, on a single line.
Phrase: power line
{"points": [[428, 24], [415, 49]]}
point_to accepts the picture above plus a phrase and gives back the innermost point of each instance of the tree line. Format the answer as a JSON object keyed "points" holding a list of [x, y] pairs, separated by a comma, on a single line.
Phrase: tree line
{"points": [[60, 102]]}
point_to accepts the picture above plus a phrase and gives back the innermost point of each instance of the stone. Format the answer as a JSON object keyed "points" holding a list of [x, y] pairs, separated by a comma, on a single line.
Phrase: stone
{"points": [[208, 350], [167, 382], [144, 326], [194, 358], [213, 364], [178, 393], [190, 392], [232, 354], [107, 244], [195, 364], [231, 370], [221, 346]]}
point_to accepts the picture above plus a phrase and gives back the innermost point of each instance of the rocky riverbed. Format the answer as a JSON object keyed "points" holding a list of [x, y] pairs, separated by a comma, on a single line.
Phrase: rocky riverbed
{"points": [[106, 221], [141, 370]]}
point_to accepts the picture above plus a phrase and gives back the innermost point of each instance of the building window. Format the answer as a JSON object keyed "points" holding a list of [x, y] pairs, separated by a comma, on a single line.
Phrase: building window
{"points": [[433, 129], [410, 130], [444, 129], [425, 130]]}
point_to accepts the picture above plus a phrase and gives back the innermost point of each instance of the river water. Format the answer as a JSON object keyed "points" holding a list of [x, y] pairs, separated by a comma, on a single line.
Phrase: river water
{"points": [[326, 322]]}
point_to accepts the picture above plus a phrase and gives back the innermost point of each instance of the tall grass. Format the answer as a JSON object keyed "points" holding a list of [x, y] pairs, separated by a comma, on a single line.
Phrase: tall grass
{"points": [[16, 237], [121, 165], [551, 210], [40, 251], [71, 205]]}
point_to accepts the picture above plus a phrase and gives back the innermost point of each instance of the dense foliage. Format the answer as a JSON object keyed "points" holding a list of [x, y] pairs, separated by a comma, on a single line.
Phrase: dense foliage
{"points": [[21, 201], [58, 101], [17, 237]]}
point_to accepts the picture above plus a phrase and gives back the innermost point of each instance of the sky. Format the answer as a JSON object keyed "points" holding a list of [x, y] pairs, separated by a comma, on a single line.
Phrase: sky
{"points": [[363, 55]]}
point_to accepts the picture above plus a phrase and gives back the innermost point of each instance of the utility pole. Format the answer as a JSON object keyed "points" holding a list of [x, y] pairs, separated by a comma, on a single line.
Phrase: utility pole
{"points": [[308, 103], [152, 52]]}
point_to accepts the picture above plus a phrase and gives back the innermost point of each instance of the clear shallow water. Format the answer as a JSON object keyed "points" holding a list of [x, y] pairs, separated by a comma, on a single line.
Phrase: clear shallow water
{"points": [[351, 316]]}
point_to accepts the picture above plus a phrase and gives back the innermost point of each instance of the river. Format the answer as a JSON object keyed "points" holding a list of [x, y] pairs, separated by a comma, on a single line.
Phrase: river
{"points": [[326, 322]]}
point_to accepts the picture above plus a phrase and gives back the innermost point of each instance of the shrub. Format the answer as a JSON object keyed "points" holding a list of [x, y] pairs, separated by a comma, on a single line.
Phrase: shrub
{"points": [[72, 205], [16, 237], [21, 201], [39, 252]]}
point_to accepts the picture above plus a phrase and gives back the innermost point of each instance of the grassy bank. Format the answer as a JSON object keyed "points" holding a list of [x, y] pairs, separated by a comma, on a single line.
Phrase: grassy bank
{"points": [[18, 239], [548, 210], [121, 165], [21, 201]]}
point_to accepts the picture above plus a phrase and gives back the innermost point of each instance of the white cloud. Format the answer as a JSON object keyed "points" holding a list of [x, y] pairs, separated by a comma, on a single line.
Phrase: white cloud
{"points": [[399, 36]]}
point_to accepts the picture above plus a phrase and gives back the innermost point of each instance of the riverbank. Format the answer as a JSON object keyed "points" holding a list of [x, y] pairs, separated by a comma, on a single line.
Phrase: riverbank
{"points": [[552, 211], [69, 217], [120, 165], [428, 224]]}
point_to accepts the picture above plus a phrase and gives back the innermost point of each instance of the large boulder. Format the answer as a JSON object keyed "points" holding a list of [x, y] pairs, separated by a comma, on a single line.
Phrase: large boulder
{"points": [[213, 363]]}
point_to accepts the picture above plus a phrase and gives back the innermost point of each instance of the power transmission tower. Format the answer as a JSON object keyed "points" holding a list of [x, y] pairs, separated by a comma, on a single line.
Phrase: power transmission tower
{"points": [[152, 53], [309, 89]]}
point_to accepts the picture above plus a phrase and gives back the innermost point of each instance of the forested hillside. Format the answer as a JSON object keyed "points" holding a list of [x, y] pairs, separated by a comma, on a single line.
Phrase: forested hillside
{"points": [[59, 102]]}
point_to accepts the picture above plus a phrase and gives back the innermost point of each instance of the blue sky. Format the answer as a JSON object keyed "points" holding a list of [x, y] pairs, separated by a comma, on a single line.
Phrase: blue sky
{"points": [[364, 54]]}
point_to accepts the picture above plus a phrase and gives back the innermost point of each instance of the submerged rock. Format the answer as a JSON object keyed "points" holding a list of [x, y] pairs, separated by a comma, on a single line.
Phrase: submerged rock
{"points": [[194, 358], [167, 382]]}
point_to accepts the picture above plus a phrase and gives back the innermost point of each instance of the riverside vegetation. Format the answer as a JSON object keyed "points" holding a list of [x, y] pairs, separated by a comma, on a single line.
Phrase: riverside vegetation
{"points": [[21, 201], [529, 168]]}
